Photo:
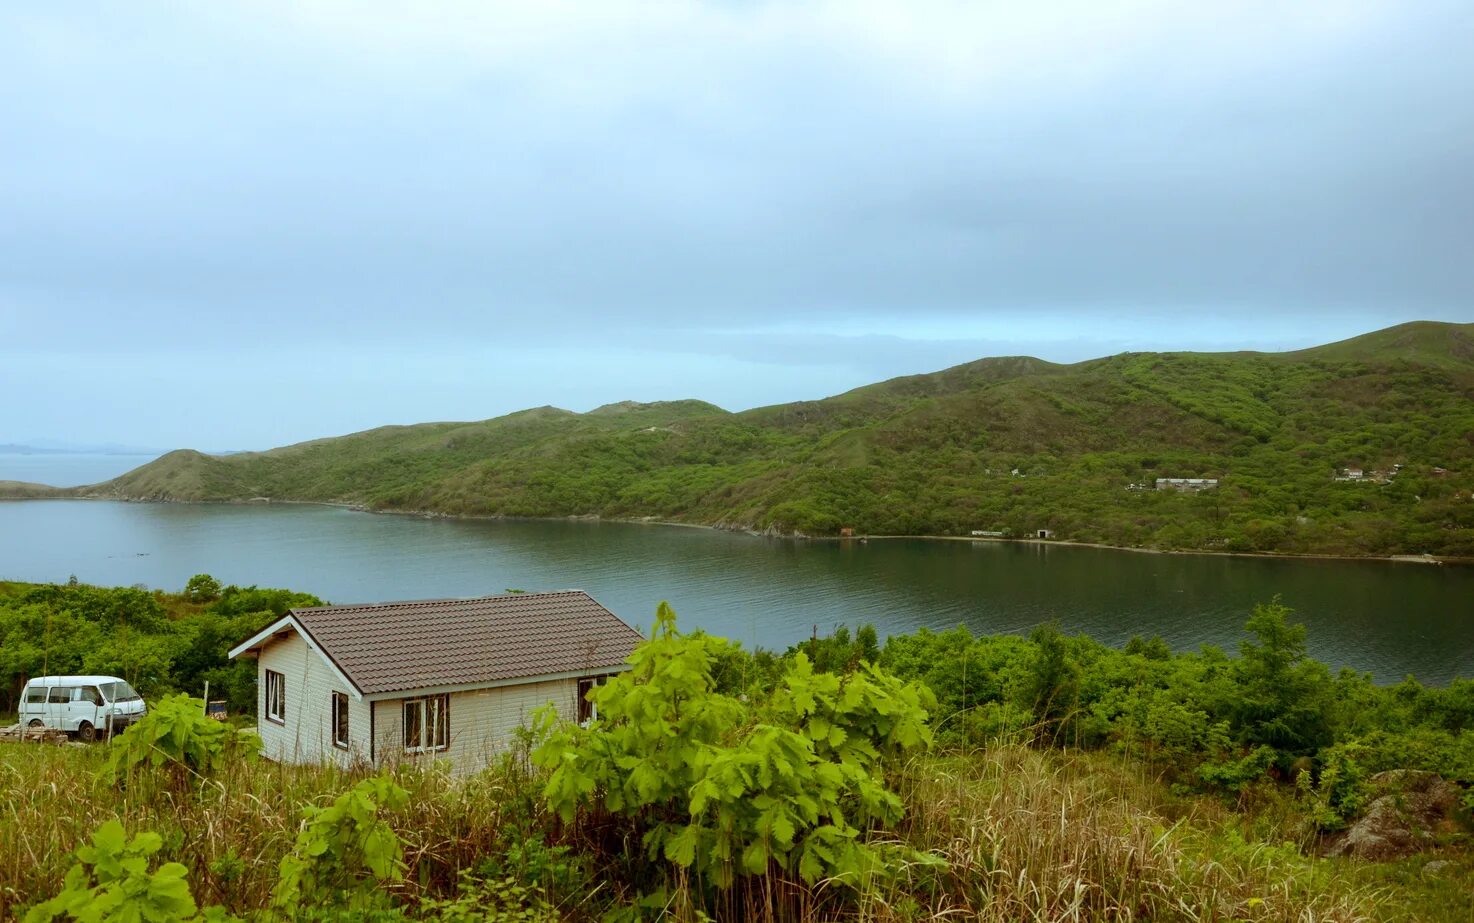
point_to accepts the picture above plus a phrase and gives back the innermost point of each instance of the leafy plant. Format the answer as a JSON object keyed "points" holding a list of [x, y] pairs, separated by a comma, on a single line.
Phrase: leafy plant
{"points": [[177, 739], [112, 883], [495, 900], [727, 788], [344, 851]]}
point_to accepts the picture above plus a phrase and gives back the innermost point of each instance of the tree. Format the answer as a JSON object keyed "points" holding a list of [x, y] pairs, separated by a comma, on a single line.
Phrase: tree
{"points": [[202, 588]]}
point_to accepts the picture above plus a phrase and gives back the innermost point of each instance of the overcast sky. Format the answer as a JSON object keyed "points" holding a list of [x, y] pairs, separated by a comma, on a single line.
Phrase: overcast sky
{"points": [[241, 225]]}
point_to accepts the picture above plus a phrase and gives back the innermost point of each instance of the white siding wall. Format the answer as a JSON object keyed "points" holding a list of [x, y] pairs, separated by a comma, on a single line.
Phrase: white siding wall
{"points": [[481, 722], [306, 736]]}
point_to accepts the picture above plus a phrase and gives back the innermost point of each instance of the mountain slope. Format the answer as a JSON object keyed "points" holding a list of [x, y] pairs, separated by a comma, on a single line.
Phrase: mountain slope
{"points": [[937, 454]]}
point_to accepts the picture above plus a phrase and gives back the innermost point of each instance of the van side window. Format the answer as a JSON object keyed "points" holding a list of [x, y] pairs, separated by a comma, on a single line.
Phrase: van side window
{"points": [[91, 696], [35, 695], [60, 694]]}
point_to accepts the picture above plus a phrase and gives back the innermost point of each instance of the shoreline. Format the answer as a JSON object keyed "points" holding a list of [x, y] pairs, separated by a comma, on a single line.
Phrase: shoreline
{"points": [[795, 536]]}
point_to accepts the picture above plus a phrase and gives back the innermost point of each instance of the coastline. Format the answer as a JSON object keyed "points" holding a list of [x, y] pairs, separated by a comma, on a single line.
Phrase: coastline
{"points": [[65, 494]]}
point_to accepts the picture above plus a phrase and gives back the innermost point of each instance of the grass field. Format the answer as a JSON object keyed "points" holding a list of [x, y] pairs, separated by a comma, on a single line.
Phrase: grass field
{"points": [[1025, 834]]}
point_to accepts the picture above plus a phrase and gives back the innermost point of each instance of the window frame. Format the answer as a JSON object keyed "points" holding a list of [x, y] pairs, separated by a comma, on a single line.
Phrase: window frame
{"points": [[339, 715], [587, 712], [279, 680], [425, 707]]}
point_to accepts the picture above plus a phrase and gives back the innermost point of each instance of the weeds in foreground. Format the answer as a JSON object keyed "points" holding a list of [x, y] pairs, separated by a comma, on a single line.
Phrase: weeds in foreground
{"points": [[1025, 834]]}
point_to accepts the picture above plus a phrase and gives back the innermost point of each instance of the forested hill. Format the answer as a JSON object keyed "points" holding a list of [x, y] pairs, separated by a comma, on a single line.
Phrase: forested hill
{"points": [[1015, 444]]}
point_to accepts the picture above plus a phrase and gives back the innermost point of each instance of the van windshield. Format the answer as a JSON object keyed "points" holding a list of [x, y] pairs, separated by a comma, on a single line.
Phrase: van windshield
{"points": [[119, 692]]}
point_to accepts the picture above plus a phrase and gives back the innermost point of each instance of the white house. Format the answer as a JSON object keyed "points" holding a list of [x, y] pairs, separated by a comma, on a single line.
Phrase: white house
{"points": [[445, 679]]}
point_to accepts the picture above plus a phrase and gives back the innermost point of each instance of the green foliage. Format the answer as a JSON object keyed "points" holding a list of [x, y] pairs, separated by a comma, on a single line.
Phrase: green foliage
{"points": [[202, 588], [727, 788], [345, 851], [496, 900], [159, 642], [1340, 794], [1279, 695], [112, 883], [175, 739]]}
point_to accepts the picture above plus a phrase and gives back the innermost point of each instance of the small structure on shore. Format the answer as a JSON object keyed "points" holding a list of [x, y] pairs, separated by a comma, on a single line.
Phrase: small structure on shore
{"points": [[1045, 533], [1186, 485]]}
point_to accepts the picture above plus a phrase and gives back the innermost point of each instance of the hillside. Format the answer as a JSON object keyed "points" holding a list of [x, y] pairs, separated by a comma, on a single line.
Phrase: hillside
{"points": [[936, 454]]}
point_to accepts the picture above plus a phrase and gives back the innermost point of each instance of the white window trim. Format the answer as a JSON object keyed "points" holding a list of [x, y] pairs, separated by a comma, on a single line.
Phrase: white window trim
{"points": [[593, 682], [424, 704], [280, 715], [340, 707]]}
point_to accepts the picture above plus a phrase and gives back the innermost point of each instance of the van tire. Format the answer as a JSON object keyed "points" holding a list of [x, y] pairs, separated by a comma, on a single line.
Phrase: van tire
{"points": [[36, 722], [86, 732]]}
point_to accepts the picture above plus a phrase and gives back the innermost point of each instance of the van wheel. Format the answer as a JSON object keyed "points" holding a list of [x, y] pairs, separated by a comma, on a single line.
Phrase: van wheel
{"points": [[86, 732], [36, 722]]}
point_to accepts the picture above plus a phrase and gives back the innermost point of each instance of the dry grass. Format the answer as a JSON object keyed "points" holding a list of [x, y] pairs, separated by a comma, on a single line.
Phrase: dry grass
{"points": [[235, 830], [1034, 835], [1027, 835]]}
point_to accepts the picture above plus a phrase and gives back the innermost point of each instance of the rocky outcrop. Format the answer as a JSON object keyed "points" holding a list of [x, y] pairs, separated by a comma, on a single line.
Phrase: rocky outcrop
{"points": [[1410, 807]]}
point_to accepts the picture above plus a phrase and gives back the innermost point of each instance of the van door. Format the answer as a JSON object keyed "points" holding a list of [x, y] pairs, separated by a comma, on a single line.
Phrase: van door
{"points": [[59, 707], [86, 712]]}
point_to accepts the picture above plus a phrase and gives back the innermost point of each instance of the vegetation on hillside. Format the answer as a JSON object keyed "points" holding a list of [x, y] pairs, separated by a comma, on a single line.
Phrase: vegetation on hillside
{"points": [[1011, 444], [160, 642], [1001, 778]]}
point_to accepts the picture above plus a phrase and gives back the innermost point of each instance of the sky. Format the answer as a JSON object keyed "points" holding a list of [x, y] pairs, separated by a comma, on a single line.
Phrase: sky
{"points": [[238, 225]]}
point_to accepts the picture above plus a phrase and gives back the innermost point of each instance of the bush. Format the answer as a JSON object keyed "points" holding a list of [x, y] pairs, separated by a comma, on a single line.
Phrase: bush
{"points": [[111, 882], [727, 788], [176, 739], [345, 851]]}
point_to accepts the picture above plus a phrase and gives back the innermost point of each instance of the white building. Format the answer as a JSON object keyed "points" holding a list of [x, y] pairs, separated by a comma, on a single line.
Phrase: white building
{"points": [[448, 679]]}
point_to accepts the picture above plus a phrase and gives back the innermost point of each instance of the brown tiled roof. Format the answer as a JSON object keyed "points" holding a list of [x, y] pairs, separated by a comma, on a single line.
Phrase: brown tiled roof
{"points": [[397, 647]]}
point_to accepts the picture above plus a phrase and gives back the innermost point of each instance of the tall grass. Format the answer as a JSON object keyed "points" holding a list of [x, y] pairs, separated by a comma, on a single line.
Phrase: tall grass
{"points": [[1027, 835]]}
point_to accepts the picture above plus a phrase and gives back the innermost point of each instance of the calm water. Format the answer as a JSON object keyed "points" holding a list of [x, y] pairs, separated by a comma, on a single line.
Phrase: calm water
{"points": [[67, 469], [1387, 619]]}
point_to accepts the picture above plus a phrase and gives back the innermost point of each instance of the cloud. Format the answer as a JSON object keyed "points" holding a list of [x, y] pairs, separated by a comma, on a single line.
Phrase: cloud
{"points": [[817, 187]]}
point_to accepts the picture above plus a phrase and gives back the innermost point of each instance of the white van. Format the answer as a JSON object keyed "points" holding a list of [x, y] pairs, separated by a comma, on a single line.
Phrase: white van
{"points": [[82, 705]]}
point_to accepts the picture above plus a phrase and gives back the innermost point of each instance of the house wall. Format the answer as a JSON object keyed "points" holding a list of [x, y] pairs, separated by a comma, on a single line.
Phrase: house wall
{"points": [[306, 736], [481, 722]]}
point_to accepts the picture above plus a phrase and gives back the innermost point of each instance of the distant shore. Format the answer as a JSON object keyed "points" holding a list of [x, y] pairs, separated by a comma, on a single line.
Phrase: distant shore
{"points": [[64, 493]]}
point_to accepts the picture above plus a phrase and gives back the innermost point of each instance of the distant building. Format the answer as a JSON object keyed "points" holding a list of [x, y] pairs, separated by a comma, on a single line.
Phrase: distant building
{"points": [[1045, 533], [1438, 472], [1186, 485], [981, 533]]}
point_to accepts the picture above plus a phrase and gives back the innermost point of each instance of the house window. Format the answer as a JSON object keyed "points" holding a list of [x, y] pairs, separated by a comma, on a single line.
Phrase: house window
{"points": [[588, 711], [276, 697], [340, 720], [426, 723]]}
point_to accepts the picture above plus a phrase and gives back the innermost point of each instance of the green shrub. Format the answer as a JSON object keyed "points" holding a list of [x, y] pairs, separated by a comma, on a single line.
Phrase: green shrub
{"points": [[111, 883], [726, 788], [178, 741], [345, 851]]}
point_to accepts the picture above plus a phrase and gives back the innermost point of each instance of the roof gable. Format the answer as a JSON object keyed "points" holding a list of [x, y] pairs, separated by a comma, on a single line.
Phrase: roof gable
{"points": [[407, 646], [285, 625]]}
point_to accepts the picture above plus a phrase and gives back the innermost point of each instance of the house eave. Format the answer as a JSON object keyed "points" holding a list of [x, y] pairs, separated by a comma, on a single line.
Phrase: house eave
{"points": [[494, 684], [264, 637]]}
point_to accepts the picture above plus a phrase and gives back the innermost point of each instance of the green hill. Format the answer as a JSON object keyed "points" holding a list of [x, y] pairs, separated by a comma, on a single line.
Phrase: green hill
{"points": [[937, 454]]}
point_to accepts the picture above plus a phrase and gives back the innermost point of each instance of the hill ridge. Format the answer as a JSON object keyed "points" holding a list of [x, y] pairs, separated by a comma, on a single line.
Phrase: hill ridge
{"points": [[1014, 444]]}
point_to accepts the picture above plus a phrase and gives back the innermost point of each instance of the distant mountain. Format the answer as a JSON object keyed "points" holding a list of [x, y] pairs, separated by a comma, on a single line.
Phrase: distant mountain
{"points": [[1010, 444], [60, 447]]}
